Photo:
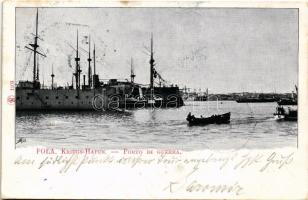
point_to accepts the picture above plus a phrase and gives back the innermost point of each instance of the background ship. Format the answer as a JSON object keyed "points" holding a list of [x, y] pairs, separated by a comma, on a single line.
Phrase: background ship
{"points": [[289, 101], [255, 100], [287, 108], [202, 97], [161, 96], [261, 98]]}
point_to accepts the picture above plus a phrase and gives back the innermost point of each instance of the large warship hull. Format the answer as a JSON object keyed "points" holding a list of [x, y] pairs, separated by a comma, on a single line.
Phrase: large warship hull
{"points": [[103, 98], [65, 99]]}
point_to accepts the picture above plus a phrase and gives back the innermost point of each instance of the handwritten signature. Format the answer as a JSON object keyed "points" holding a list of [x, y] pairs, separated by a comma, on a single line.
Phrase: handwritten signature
{"points": [[194, 185]]}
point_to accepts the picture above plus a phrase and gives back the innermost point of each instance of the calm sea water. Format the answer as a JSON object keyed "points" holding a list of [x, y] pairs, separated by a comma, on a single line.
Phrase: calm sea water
{"points": [[252, 126]]}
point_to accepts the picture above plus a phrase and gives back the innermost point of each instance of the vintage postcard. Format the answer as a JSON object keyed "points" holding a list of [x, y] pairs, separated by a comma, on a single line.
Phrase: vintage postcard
{"points": [[152, 100]]}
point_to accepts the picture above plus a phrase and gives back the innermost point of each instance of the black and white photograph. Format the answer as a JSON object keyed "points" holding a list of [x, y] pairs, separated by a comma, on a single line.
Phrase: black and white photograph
{"points": [[154, 100], [156, 77]]}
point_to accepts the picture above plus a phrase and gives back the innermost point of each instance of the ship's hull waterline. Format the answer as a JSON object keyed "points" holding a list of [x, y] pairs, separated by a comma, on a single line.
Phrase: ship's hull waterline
{"points": [[67, 99], [93, 99]]}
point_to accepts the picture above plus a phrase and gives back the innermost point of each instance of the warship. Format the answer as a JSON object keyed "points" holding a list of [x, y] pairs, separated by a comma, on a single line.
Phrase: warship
{"points": [[140, 96], [290, 100], [202, 97], [94, 94], [161, 96], [260, 98], [287, 108], [30, 95]]}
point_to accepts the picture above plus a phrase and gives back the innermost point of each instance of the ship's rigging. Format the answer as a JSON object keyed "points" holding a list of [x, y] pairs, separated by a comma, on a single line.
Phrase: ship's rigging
{"points": [[77, 69], [26, 65], [155, 76], [36, 52]]}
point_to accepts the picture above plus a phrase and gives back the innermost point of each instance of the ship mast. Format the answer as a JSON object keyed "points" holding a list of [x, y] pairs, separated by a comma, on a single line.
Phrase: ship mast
{"points": [[89, 61], [84, 81], [73, 81], [37, 69], [94, 59], [152, 66], [35, 46], [152, 71], [95, 81], [77, 69], [52, 76], [79, 72], [132, 75]]}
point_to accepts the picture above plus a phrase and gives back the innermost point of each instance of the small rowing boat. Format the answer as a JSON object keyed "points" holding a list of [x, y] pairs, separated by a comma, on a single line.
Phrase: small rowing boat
{"points": [[214, 119]]}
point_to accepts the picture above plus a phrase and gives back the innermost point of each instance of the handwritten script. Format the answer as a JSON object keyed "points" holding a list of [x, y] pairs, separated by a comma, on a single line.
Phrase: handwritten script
{"points": [[175, 161]]}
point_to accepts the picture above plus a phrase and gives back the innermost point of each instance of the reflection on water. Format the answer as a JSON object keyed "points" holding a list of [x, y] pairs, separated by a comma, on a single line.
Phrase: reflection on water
{"points": [[252, 126]]}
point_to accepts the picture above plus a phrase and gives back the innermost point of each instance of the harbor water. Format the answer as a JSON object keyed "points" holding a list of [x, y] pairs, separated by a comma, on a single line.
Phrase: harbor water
{"points": [[252, 126]]}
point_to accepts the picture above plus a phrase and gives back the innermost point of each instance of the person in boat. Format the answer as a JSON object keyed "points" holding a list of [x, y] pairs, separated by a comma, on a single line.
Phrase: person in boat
{"points": [[190, 117], [280, 110]]}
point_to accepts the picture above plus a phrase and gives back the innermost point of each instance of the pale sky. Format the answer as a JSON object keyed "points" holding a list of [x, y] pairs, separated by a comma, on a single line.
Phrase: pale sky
{"points": [[223, 49]]}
